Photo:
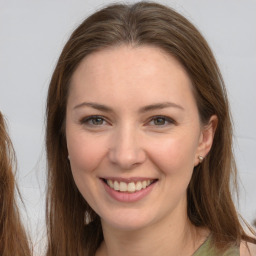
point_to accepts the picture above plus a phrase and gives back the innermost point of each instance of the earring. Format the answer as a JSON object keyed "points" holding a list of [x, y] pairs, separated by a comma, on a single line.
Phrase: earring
{"points": [[201, 158], [68, 157]]}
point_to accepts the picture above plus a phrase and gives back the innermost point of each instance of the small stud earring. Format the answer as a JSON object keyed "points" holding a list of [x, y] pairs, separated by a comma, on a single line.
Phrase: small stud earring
{"points": [[201, 158]]}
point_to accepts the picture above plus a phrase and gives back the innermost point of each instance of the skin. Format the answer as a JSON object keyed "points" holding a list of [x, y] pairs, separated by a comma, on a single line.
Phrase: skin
{"points": [[131, 140], [244, 249]]}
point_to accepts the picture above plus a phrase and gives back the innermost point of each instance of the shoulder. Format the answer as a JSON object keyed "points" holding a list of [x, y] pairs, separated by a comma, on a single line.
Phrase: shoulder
{"points": [[244, 246]]}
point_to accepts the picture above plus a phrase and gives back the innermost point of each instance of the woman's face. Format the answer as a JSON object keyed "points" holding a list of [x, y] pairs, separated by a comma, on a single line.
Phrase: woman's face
{"points": [[133, 135]]}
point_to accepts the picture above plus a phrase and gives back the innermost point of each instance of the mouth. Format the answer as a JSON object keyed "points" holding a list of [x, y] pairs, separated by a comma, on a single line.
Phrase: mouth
{"points": [[129, 186]]}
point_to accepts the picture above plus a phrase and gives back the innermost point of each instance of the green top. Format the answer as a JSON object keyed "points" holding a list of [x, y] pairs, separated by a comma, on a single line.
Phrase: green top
{"points": [[207, 250]]}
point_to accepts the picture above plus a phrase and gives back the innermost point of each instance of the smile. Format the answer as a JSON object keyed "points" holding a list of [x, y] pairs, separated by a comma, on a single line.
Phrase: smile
{"points": [[130, 187], [128, 190]]}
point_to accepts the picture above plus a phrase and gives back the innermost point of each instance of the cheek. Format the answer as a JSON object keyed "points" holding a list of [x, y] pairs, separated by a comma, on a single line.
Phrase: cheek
{"points": [[85, 156], [85, 152], [174, 154]]}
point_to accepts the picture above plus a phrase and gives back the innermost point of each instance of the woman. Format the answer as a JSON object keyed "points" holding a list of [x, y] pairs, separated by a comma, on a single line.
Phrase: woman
{"points": [[13, 239], [139, 140]]}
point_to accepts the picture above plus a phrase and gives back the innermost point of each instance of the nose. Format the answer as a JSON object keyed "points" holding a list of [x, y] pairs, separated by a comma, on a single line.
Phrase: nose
{"points": [[126, 150]]}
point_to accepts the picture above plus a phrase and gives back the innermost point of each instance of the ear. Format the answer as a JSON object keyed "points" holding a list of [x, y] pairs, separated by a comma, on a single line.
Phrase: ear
{"points": [[206, 138]]}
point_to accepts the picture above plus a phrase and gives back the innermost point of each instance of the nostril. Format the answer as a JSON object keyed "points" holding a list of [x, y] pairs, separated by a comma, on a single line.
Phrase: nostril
{"points": [[127, 159]]}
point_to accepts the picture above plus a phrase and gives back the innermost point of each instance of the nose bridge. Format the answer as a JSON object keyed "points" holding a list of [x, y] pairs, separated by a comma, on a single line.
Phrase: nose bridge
{"points": [[126, 149]]}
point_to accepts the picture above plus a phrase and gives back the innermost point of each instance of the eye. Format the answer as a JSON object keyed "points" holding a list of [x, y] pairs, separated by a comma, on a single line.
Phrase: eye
{"points": [[161, 121], [93, 121]]}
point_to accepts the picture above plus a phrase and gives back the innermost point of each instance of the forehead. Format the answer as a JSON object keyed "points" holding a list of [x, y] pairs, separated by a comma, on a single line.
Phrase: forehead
{"points": [[143, 73], [142, 59]]}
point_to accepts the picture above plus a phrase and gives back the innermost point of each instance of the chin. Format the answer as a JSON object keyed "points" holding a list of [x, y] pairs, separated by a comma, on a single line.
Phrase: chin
{"points": [[128, 226], [129, 221]]}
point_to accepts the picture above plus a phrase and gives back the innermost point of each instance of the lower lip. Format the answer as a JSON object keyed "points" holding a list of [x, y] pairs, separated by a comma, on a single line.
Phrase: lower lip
{"points": [[128, 197]]}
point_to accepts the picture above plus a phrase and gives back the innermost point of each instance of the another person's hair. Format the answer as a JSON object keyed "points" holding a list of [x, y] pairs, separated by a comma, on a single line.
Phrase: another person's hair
{"points": [[13, 238], [73, 227]]}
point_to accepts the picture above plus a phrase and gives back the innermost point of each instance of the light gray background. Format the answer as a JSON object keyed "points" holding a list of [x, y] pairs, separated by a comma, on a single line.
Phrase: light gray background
{"points": [[32, 34]]}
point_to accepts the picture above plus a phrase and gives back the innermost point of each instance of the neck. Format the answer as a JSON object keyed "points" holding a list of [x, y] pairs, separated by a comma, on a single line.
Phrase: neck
{"points": [[163, 238]]}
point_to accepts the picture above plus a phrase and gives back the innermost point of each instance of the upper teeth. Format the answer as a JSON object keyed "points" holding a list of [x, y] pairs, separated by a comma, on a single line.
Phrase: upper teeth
{"points": [[128, 187]]}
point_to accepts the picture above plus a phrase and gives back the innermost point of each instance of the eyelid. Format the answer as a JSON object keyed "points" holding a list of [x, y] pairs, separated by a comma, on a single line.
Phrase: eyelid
{"points": [[86, 119], [167, 119]]}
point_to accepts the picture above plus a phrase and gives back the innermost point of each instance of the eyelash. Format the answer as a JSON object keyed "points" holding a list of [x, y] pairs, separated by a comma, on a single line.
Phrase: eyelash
{"points": [[166, 119], [90, 119]]}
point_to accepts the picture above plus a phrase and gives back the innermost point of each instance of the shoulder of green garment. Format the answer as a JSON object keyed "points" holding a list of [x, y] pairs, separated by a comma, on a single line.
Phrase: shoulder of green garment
{"points": [[206, 249]]}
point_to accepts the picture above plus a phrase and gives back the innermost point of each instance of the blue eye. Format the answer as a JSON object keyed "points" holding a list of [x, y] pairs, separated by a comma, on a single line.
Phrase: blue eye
{"points": [[161, 121], [94, 120]]}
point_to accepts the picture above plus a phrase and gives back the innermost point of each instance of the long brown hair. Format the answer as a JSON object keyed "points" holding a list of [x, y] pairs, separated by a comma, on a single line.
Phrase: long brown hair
{"points": [[13, 239], [209, 196]]}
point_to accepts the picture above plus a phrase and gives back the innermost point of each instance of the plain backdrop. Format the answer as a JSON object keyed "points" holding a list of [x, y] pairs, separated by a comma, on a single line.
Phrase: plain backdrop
{"points": [[32, 34]]}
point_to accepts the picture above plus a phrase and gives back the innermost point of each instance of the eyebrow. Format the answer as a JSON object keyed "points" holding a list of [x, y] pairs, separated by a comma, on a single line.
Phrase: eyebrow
{"points": [[160, 106], [141, 110], [94, 105]]}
